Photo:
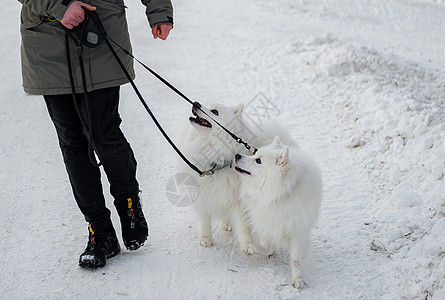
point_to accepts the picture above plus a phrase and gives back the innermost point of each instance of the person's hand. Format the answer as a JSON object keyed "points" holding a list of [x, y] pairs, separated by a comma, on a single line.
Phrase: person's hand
{"points": [[74, 14], [161, 31]]}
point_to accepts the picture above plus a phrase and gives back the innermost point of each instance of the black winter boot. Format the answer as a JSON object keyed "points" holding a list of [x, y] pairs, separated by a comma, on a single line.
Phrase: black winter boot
{"points": [[134, 225], [102, 244]]}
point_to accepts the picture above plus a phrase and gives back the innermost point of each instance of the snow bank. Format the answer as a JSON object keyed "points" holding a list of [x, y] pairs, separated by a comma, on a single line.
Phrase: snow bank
{"points": [[394, 115]]}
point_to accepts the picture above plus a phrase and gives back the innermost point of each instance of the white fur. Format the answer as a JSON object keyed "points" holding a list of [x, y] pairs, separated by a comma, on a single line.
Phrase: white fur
{"points": [[282, 198], [219, 193]]}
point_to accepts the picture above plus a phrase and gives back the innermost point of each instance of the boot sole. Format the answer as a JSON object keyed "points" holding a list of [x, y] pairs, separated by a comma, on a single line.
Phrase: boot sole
{"points": [[89, 264], [135, 244]]}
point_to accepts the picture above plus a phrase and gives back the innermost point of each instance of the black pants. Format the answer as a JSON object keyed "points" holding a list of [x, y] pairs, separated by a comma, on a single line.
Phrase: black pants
{"points": [[116, 154]]}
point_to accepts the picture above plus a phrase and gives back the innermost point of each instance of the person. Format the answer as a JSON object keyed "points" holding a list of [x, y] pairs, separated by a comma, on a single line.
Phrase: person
{"points": [[45, 71]]}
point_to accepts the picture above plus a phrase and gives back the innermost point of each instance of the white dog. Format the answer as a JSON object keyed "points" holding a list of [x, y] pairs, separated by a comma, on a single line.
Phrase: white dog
{"points": [[281, 193], [207, 146]]}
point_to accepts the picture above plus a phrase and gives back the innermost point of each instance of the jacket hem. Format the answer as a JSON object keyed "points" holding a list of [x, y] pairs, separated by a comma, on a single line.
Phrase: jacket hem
{"points": [[67, 90]]}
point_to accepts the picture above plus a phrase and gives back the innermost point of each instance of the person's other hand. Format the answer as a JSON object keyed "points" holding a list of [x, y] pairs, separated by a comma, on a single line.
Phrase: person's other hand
{"points": [[161, 31], [74, 14]]}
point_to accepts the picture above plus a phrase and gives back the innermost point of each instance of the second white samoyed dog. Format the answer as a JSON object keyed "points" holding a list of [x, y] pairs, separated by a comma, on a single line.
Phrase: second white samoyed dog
{"points": [[207, 146], [281, 193]]}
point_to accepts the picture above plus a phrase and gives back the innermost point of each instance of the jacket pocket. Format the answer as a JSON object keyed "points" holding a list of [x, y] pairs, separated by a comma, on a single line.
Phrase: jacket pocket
{"points": [[118, 2], [109, 7], [29, 19]]}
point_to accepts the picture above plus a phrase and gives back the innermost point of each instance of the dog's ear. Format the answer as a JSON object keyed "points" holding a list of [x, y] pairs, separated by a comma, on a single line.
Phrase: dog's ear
{"points": [[283, 157], [239, 110]]}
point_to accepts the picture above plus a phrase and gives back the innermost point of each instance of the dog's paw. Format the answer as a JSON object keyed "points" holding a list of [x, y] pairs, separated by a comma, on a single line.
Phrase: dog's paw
{"points": [[206, 241], [298, 282], [249, 248], [227, 226]]}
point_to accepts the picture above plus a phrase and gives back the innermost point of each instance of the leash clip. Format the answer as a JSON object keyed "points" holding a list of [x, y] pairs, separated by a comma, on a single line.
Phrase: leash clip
{"points": [[207, 173]]}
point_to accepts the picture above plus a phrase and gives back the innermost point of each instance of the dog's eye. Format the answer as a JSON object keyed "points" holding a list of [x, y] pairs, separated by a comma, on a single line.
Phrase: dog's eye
{"points": [[215, 112], [258, 161]]}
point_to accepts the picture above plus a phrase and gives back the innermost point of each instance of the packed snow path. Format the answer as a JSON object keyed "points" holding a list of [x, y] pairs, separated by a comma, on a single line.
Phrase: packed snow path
{"points": [[360, 85]]}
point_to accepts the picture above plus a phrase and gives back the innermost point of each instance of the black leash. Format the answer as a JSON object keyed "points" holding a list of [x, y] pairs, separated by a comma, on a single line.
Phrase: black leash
{"points": [[88, 126], [151, 114], [93, 39], [195, 104], [98, 24]]}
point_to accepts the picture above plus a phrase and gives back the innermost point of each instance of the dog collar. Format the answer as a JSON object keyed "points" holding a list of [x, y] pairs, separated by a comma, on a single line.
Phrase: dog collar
{"points": [[217, 167]]}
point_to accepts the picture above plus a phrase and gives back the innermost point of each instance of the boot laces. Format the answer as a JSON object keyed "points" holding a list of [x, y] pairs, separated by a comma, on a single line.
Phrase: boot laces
{"points": [[130, 213]]}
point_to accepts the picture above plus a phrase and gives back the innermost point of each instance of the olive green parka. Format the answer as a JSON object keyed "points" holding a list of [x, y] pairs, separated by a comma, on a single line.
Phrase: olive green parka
{"points": [[43, 48]]}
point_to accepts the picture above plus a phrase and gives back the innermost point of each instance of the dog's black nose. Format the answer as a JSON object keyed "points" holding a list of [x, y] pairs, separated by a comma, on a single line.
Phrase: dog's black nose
{"points": [[237, 157], [196, 104]]}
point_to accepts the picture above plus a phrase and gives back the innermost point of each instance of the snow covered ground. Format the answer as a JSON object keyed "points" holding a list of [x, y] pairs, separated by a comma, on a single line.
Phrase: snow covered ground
{"points": [[361, 86]]}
